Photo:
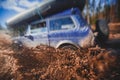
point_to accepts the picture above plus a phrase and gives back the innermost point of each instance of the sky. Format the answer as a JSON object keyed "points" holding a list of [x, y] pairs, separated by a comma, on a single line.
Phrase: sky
{"points": [[10, 8]]}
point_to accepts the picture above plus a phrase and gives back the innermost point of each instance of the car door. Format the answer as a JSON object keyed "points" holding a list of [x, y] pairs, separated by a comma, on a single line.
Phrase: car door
{"points": [[39, 33], [61, 29]]}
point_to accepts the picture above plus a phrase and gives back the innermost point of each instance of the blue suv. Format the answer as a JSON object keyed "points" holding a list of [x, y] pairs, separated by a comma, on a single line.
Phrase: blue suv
{"points": [[67, 29]]}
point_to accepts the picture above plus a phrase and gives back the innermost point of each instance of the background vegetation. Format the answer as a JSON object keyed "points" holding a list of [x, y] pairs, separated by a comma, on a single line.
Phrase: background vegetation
{"points": [[107, 9]]}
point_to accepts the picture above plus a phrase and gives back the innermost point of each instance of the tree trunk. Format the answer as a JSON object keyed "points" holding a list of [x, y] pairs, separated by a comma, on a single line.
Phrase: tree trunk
{"points": [[88, 15]]}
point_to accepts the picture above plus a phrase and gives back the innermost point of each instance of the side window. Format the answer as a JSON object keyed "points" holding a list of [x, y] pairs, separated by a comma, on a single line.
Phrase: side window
{"points": [[61, 24], [39, 27]]}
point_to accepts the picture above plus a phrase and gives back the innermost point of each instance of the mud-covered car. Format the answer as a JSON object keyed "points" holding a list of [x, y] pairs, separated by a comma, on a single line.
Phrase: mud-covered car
{"points": [[67, 29]]}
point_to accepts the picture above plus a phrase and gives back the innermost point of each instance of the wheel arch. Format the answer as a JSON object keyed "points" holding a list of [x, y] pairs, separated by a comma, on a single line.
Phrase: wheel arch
{"points": [[66, 42]]}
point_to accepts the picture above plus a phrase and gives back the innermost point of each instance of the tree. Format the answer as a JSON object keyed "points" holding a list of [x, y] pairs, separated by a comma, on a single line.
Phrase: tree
{"points": [[93, 7], [107, 9], [118, 9], [87, 10]]}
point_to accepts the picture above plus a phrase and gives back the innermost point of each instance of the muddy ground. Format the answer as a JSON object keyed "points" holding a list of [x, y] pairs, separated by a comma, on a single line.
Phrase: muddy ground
{"points": [[47, 63]]}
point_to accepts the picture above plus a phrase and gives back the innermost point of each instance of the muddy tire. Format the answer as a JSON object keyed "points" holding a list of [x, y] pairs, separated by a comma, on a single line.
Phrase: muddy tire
{"points": [[16, 47], [103, 31], [68, 46]]}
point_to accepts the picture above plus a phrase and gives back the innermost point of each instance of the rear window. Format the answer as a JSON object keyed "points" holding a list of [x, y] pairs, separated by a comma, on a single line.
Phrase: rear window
{"points": [[61, 24]]}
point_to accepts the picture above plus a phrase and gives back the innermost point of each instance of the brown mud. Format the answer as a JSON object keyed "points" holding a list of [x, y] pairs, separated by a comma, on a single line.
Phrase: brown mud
{"points": [[47, 63]]}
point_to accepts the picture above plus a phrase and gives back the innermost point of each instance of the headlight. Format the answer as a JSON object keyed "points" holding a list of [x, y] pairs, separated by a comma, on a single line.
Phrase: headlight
{"points": [[15, 41]]}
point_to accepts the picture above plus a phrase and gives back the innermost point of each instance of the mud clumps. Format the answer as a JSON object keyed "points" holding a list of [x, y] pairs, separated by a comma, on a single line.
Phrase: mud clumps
{"points": [[7, 62], [47, 63]]}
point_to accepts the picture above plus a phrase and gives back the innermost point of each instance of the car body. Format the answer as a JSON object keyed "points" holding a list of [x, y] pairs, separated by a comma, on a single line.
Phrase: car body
{"points": [[65, 28]]}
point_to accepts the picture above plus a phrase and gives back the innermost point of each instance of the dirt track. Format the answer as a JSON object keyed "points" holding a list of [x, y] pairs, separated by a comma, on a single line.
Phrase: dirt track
{"points": [[46, 63]]}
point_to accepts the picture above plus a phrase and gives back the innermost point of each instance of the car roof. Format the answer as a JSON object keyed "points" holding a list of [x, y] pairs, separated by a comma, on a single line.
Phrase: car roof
{"points": [[69, 12]]}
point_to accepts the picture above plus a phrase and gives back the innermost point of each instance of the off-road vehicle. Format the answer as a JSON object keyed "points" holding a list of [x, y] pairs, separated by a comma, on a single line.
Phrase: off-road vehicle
{"points": [[58, 25]]}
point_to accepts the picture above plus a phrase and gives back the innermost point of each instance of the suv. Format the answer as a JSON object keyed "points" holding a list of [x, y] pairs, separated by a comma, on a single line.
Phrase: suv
{"points": [[67, 29]]}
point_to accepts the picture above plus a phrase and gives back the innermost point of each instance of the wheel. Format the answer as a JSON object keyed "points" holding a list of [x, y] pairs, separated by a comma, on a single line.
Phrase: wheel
{"points": [[16, 47], [68, 46], [103, 30]]}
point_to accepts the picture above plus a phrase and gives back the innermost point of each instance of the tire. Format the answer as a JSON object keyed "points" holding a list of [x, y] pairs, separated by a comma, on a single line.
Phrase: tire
{"points": [[103, 31], [16, 47], [68, 46]]}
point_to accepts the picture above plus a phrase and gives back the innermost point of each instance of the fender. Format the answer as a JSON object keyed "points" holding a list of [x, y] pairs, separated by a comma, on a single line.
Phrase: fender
{"points": [[66, 42]]}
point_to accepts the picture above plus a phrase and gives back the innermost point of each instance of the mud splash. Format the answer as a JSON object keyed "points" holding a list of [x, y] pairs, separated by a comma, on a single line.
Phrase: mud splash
{"points": [[47, 63]]}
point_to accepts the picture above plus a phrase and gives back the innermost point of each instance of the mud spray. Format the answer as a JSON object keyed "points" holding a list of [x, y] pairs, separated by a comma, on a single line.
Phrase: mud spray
{"points": [[46, 63]]}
